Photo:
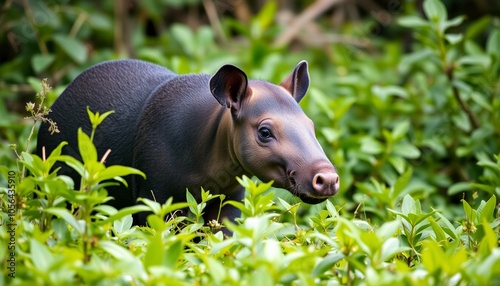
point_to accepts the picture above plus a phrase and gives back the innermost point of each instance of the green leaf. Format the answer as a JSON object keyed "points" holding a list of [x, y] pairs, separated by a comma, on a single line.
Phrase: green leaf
{"points": [[388, 229], [120, 214], [470, 213], [435, 10], [192, 204], [153, 256], [433, 256], [96, 119], [172, 254], [400, 130], [86, 147], [438, 231], [453, 23], [74, 48], [459, 187], [413, 22], [185, 37], [122, 225], [493, 44], [41, 62], [392, 247], [489, 241], [40, 255], [449, 229], [66, 216], [454, 39], [408, 205], [117, 251], [117, 171], [402, 182], [371, 146], [486, 210], [399, 163], [406, 150], [327, 263]]}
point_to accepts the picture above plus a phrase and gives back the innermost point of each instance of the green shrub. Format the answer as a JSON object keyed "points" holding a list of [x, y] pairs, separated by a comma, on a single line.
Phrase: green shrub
{"points": [[414, 136]]}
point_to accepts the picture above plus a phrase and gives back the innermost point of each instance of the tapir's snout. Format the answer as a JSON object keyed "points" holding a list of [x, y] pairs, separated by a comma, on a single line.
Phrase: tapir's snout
{"points": [[326, 183], [316, 186]]}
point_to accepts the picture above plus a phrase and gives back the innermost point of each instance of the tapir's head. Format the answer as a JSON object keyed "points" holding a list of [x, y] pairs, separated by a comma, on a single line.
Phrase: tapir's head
{"points": [[272, 138]]}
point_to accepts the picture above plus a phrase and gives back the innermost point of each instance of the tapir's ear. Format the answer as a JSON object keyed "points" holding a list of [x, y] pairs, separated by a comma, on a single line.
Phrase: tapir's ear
{"points": [[297, 82], [229, 86]]}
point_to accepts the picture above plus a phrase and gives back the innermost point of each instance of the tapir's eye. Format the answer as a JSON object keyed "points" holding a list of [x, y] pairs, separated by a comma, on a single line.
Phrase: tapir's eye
{"points": [[265, 134]]}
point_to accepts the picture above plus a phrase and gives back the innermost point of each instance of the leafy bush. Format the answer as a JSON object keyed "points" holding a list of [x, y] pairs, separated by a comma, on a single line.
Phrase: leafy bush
{"points": [[413, 133]]}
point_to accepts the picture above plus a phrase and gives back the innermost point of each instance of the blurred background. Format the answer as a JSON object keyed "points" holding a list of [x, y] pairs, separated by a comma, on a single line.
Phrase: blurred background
{"points": [[397, 95]]}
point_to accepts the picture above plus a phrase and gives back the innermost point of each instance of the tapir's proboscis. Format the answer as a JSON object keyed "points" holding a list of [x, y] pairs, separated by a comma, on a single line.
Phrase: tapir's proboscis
{"points": [[194, 131]]}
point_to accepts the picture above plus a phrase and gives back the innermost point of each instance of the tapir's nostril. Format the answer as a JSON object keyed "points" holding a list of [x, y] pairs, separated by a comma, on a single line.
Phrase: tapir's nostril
{"points": [[326, 182]]}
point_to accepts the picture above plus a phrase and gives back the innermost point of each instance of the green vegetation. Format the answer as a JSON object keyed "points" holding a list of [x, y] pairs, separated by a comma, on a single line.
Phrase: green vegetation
{"points": [[412, 124]]}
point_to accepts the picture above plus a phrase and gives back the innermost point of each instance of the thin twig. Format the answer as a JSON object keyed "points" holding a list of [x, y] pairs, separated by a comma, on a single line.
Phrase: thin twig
{"points": [[313, 11], [456, 93], [213, 18]]}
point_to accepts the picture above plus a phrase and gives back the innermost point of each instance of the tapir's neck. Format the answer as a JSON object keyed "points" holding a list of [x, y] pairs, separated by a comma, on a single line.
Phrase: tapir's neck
{"points": [[223, 163]]}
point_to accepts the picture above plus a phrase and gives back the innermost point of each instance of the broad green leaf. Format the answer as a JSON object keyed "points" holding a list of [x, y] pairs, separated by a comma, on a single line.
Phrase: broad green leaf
{"points": [[448, 227], [66, 216], [117, 171], [493, 44], [172, 253], [433, 257], [41, 256], [41, 62], [401, 129], [438, 231], [459, 187], [388, 229], [413, 22], [435, 10], [153, 206], [408, 205], [86, 147], [402, 182], [122, 225], [392, 247], [156, 223], [153, 255], [74, 48], [486, 210], [454, 39], [470, 213], [452, 23], [406, 150], [327, 263], [371, 146], [489, 241], [185, 37], [116, 250], [120, 214], [192, 204], [398, 162], [34, 164]]}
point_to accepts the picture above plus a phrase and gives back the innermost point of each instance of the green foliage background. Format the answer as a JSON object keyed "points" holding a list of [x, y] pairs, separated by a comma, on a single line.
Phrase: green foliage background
{"points": [[405, 96]]}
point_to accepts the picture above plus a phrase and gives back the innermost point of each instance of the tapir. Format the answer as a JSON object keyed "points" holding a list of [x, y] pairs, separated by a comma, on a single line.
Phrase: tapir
{"points": [[188, 132]]}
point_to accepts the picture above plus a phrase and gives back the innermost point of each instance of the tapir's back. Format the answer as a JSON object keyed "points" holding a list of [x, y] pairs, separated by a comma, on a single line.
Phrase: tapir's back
{"points": [[123, 86]]}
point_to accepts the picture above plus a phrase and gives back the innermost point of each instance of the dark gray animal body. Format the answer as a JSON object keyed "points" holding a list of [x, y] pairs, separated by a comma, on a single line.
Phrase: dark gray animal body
{"points": [[193, 131]]}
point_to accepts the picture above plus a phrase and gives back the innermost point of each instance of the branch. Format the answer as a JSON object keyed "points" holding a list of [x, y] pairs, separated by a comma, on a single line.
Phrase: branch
{"points": [[313, 11], [456, 93]]}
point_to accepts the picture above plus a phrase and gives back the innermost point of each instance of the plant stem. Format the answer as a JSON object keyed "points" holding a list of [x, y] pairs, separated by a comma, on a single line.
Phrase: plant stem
{"points": [[456, 93]]}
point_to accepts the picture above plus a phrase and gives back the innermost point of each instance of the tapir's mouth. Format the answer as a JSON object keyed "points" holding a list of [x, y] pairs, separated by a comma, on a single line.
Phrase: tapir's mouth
{"points": [[310, 200]]}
